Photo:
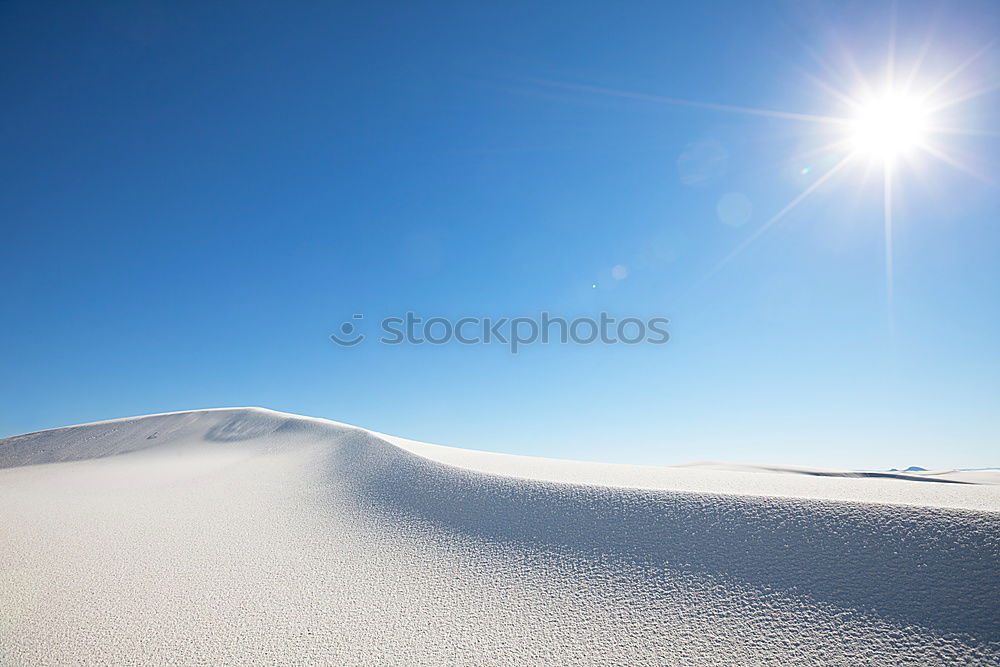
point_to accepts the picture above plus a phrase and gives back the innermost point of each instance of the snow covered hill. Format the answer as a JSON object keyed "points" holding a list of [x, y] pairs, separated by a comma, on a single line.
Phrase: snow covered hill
{"points": [[247, 536]]}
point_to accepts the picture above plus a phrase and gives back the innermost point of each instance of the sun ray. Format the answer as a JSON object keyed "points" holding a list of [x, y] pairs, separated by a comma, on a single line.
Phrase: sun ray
{"points": [[941, 155], [890, 73], [674, 101], [780, 214], [828, 88], [869, 168], [832, 73], [955, 101], [838, 146], [918, 61], [961, 68], [850, 64], [962, 131], [887, 231]]}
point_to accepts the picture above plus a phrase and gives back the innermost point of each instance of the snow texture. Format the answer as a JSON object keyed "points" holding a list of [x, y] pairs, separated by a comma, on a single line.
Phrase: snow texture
{"points": [[247, 536]]}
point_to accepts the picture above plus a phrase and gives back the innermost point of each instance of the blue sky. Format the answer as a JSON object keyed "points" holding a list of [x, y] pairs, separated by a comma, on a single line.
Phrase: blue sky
{"points": [[196, 195]]}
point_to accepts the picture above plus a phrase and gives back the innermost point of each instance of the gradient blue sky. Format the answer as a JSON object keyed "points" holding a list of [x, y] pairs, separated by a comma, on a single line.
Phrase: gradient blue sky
{"points": [[195, 195]]}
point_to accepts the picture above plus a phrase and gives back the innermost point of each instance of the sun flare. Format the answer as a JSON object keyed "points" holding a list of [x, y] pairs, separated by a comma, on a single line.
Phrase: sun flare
{"points": [[889, 127], [900, 113]]}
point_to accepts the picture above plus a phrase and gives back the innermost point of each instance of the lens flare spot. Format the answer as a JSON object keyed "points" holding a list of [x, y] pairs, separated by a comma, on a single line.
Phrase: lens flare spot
{"points": [[734, 209]]}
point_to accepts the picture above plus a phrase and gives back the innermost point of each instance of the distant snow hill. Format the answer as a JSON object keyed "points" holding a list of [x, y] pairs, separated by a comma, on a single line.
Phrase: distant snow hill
{"points": [[247, 536]]}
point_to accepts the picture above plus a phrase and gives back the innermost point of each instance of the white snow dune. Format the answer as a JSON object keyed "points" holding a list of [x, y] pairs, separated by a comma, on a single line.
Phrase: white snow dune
{"points": [[247, 536]]}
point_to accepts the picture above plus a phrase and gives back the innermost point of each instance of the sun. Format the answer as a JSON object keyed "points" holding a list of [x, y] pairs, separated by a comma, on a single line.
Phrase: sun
{"points": [[897, 116], [891, 126]]}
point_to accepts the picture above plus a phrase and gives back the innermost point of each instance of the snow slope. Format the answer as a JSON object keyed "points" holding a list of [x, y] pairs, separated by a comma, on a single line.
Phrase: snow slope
{"points": [[247, 536]]}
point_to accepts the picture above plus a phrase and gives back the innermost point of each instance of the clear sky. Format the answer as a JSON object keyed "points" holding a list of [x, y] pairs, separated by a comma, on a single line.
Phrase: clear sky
{"points": [[196, 195]]}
